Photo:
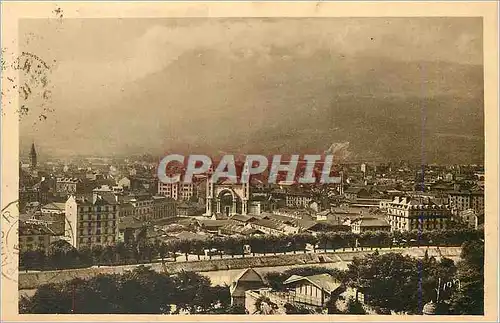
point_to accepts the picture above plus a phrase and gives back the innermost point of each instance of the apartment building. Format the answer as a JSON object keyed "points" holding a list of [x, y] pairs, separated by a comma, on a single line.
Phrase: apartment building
{"points": [[411, 213], [464, 200], [68, 186], [148, 208], [298, 199], [92, 222], [178, 191], [34, 236]]}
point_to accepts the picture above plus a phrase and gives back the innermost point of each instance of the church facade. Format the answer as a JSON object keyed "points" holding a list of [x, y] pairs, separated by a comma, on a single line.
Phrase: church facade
{"points": [[227, 198]]}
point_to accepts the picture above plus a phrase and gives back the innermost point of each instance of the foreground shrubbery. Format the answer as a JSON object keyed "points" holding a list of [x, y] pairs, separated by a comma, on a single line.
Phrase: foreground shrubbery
{"points": [[393, 282], [141, 291], [61, 255], [390, 282]]}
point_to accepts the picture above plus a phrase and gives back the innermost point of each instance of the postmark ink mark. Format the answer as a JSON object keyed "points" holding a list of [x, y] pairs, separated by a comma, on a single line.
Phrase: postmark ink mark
{"points": [[10, 245], [29, 77]]}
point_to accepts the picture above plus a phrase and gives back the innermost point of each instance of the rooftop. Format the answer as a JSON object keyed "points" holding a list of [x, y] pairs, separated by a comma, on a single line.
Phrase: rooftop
{"points": [[27, 229], [372, 222], [325, 281], [54, 206]]}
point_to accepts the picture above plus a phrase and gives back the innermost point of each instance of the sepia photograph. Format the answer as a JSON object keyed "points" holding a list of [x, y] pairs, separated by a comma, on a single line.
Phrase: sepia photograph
{"points": [[248, 165]]}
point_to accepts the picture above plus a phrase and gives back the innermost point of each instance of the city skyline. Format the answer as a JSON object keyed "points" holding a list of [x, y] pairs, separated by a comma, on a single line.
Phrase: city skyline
{"points": [[280, 85]]}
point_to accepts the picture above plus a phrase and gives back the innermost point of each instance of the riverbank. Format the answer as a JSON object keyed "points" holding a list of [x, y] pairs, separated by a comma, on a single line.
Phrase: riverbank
{"points": [[221, 271]]}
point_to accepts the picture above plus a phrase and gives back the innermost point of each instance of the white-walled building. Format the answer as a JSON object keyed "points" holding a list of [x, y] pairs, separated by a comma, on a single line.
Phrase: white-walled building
{"points": [[92, 222], [406, 214], [177, 191]]}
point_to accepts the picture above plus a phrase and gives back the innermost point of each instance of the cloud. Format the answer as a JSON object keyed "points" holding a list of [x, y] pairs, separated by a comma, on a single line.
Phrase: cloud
{"points": [[95, 79], [410, 40]]}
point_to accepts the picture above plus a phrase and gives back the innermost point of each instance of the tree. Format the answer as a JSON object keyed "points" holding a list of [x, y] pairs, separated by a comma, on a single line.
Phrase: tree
{"points": [[195, 294], [432, 275], [382, 239], [25, 306], [390, 280], [108, 255], [97, 253], [197, 247], [233, 246], [173, 246], [274, 242], [97, 295], [296, 309], [354, 307], [48, 299], [469, 299], [323, 241], [62, 255], [141, 291], [312, 240], [400, 283], [162, 251], [85, 256], [299, 242], [121, 252], [368, 238], [185, 247], [32, 259], [145, 250], [257, 244], [331, 305]]}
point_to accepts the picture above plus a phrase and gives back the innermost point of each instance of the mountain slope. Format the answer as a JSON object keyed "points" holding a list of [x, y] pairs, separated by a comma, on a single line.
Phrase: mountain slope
{"points": [[286, 103]]}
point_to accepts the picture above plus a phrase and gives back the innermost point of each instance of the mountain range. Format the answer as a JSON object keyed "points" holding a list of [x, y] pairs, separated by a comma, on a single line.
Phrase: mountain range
{"points": [[282, 102]]}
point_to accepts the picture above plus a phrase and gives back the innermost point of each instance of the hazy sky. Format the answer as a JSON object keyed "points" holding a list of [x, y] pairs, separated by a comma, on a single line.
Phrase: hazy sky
{"points": [[103, 68]]}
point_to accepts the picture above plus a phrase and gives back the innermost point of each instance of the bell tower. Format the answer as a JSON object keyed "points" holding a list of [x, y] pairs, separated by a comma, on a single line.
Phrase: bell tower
{"points": [[33, 156]]}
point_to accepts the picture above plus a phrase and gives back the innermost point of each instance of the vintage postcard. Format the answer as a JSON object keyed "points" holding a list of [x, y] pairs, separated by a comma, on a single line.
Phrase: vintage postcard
{"points": [[252, 161]]}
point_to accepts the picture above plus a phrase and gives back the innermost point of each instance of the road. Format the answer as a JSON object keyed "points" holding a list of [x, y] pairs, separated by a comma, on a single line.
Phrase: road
{"points": [[339, 259], [191, 257]]}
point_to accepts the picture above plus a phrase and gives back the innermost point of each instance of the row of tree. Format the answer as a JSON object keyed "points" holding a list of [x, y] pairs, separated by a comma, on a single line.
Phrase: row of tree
{"points": [[141, 291], [61, 255]]}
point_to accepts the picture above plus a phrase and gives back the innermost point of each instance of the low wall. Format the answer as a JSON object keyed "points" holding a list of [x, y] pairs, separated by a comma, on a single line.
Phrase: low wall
{"points": [[31, 280]]}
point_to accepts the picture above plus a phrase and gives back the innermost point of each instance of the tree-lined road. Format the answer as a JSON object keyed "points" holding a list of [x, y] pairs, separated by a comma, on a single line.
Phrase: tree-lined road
{"points": [[230, 267], [192, 257]]}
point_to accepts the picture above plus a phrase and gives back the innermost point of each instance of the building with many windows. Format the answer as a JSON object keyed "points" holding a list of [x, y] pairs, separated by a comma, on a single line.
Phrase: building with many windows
{"points": [[298, 199], [66, 186], [34, 236], [407, 213], [464, 200], [92, 222], [177, 191], [148, 208]]}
